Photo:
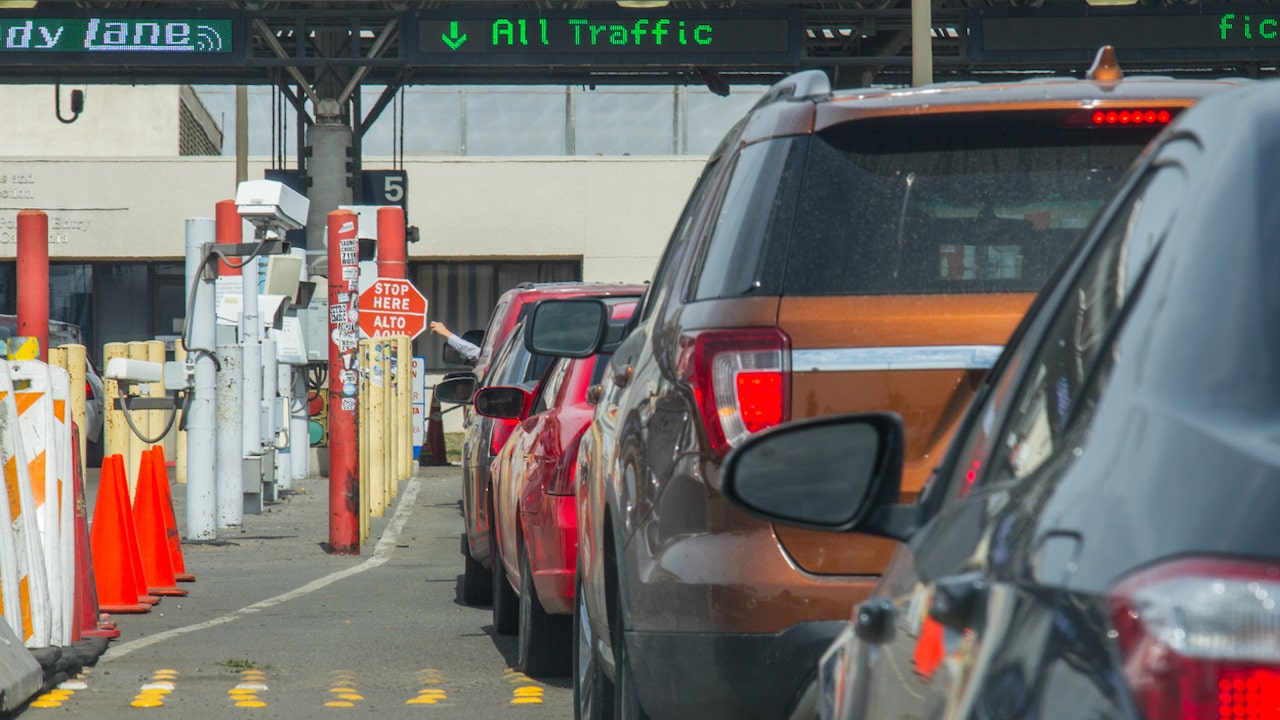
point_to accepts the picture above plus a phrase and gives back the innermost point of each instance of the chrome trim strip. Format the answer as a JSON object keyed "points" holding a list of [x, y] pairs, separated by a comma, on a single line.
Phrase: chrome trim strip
{"points": [[943, 357]]}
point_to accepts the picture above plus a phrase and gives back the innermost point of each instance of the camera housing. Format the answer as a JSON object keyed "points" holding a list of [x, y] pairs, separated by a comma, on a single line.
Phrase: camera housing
{"points": [[270, 204]]}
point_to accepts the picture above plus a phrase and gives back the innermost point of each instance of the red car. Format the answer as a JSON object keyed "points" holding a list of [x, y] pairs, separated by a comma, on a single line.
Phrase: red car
{"points": [[500, 363], [535, 507]]}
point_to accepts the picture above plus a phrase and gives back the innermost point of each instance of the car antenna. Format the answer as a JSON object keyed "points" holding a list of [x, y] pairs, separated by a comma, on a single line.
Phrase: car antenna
{"points": [[1105, 69]]}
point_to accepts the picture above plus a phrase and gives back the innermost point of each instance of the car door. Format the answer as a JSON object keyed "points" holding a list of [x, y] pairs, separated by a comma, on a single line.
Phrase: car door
{"points": [[978, 620]]}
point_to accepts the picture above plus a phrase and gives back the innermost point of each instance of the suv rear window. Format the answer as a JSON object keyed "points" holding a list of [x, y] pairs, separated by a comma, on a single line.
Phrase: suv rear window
{"points": [[943, 203]]}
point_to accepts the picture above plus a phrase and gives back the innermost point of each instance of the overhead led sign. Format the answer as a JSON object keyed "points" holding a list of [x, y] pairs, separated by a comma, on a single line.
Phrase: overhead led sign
{"points": [[607, 36], [80, 39], [1138, 33]]}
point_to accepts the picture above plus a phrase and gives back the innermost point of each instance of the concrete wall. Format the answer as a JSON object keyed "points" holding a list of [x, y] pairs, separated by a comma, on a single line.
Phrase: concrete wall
{"points": [[139, 121], [614, 213]]}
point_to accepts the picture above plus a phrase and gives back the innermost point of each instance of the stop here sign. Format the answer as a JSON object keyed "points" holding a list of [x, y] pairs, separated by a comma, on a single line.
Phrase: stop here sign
{"points": [[392, 306]]}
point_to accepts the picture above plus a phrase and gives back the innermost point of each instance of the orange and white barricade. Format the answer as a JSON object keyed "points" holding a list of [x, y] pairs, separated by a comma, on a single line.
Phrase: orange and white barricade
{"points": [[41, 393], [23, 582]]}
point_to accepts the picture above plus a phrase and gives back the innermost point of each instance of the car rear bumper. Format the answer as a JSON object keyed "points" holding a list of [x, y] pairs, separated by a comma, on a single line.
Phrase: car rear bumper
{"points": [[723, 676]]}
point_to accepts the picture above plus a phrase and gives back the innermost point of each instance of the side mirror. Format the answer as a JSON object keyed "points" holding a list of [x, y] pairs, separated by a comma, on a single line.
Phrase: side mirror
{"points": [[567, 328], [456, 390], [498, 401], [840, 473]]}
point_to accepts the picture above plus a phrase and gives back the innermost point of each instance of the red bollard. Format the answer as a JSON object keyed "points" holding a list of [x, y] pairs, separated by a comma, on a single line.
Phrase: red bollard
{"points": [[392, 248], [344, 297], [33, 278], [228, 230]]}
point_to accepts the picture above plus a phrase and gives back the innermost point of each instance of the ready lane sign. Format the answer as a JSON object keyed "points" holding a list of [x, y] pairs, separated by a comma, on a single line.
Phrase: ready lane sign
{"points": [[391, 306], [607, 36], [144, 39]]}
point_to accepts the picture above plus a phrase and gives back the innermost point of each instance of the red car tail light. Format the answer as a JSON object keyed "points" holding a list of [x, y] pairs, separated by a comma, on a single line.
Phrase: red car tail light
{"points": [[565, 479], [88, 390], [499, 432], [1198, 639], [741, 380]]}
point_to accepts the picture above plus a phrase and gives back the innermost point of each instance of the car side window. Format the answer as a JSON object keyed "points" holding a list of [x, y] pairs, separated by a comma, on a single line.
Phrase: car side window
{"points": [[551, 388], [753, 215], [1076, 345]]}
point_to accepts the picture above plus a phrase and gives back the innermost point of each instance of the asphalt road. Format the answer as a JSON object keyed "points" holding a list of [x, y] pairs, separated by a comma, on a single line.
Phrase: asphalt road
{"points": [[273, 627]]}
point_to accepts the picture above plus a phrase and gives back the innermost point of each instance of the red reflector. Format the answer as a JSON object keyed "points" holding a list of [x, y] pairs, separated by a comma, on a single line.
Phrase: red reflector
{"points": [[760, 399]]}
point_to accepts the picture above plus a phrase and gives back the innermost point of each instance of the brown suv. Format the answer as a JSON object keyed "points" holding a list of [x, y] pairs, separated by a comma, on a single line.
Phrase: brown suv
{"points": [[842, 251]]}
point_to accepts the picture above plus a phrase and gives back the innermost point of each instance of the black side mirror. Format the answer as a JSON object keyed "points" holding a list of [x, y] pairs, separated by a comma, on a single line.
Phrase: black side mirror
{"points": [[567, 328], [838, 473], [456, 390], [503, 402]]}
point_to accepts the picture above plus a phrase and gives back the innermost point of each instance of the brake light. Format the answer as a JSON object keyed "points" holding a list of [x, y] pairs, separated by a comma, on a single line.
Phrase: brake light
{"points": [[88, 390], [565, 479], [1197, 638], [499, 432], [1133, 116], [741, 380]]}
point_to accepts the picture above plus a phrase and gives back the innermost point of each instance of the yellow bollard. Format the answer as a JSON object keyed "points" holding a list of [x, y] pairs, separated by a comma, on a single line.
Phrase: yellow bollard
{"points": [[362, 433], [180, 436], [388, 429], [141, 426], [115, 433], [377, 430], [72, 358], [404, 406]]}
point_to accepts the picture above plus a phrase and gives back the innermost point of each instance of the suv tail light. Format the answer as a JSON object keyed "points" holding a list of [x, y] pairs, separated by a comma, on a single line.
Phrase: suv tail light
{"points": [[565, 479], [741, 380], [1197, 638]]}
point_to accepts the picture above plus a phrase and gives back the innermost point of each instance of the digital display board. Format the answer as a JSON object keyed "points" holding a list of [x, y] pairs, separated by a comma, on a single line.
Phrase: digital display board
{"points": [[1140, 33], [606, 36], [112, 38]]}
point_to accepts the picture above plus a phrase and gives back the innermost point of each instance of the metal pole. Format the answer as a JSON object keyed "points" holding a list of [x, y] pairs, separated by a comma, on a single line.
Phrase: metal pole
{"points": [[229, 438], [200, 341], [251, 354], [921, 42], [344, 482], [271, 415], [33, 278], [299, 425]]}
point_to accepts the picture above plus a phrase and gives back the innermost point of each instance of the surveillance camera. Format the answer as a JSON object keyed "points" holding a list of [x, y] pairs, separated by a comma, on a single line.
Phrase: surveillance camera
{"points": [[133, 371], [269, 204]]}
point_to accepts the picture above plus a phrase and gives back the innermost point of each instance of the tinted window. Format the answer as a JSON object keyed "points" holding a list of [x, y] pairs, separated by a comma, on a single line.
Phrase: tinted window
{"points": [[983, 202], [756, 206], [547, 398], [1075, 351]]}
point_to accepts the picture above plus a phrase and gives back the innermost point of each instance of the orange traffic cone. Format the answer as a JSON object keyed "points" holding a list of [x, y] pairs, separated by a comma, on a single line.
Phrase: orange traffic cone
{"points": [[88, 616], [170, 522], [434, 450], [131, 533], [117, 588], [153, 541]]}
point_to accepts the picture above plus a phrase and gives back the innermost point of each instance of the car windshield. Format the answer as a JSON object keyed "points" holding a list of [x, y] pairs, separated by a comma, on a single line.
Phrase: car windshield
{"points": [[950, 203]]}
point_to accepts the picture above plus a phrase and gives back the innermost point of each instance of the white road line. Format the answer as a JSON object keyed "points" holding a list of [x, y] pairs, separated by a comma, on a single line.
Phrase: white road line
{"points": [[381, 553]]}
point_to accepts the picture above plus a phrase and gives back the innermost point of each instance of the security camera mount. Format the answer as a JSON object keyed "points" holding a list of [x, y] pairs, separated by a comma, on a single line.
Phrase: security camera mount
{"points": [[134, 377]]}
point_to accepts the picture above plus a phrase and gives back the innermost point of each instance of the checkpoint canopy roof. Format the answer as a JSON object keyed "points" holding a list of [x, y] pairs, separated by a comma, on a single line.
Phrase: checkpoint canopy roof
{"points": [[716, 42]]}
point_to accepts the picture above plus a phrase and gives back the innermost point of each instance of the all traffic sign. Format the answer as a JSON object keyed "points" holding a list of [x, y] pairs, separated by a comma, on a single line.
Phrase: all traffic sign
{"points": [[392, 306]]}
